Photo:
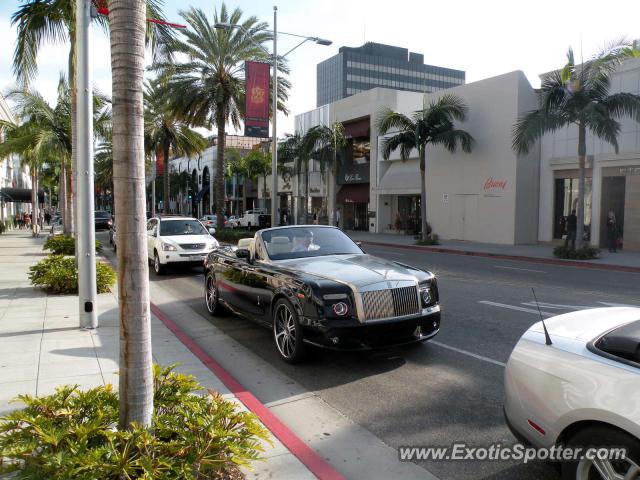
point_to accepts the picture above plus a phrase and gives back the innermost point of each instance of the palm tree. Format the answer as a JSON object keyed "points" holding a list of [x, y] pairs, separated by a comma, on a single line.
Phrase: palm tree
{"points": [[580, 95], [327, 142], [164, 132], [434, 125], [257, 163], [53, 21], [296, 151], [209, 87], [127, 21]]}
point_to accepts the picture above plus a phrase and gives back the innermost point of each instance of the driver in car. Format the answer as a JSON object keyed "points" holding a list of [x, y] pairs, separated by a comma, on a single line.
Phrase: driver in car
{"points": [[306, 243]]}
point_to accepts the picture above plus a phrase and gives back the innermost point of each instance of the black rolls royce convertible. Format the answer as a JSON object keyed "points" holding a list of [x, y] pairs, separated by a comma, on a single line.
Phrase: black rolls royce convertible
{"points": [[314, 285]]}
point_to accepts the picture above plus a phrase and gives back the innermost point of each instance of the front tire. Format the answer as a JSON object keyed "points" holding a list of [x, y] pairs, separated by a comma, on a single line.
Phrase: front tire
{"points": [[287, 333], [157, 266], [212, 296], [609, 469]]}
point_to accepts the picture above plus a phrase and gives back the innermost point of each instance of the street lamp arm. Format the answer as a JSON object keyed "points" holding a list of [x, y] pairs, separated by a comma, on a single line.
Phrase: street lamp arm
{"points": [[303, 41]]}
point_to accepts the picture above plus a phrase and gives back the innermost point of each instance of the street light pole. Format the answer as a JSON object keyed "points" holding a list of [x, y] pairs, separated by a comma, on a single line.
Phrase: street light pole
{"points": [[86, 241], [274, 140]]}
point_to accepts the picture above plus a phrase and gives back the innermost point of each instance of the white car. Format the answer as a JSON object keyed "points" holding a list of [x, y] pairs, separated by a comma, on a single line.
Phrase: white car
{"points": [[232, 222], [251, 218], [178, 241], [580, 387]]}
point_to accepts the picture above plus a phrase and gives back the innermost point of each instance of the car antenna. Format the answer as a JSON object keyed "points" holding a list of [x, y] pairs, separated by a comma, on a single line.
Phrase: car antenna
{"points": [[547, 338]]}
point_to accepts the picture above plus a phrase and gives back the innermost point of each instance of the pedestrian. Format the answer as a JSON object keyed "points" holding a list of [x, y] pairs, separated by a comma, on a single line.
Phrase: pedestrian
{"points": [[315, 218], [47, 218], [612, 232], [337, 217], [572, 227], [27, 220]]}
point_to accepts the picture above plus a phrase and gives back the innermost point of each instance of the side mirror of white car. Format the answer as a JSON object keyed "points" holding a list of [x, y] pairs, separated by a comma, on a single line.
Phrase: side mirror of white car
{"points": [[212, 231]]}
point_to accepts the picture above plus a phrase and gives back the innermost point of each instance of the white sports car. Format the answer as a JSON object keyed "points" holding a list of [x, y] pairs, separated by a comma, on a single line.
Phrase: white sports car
{"points": [[579, 387]]}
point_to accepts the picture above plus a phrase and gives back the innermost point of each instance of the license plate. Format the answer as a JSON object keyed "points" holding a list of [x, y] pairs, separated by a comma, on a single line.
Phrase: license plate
{"points": [[197, 257]]}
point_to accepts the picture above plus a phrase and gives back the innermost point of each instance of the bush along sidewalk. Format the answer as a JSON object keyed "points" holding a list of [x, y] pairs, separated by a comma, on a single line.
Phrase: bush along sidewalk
{"points": [[232, 236], [64, 245], [585, 253], [58, 274], [73, 434]]}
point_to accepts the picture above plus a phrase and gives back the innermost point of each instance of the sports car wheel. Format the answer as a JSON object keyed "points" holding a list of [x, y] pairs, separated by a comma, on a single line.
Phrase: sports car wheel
{"points": [[157, 266], [211, 297], [603, 468], [287, 333]]}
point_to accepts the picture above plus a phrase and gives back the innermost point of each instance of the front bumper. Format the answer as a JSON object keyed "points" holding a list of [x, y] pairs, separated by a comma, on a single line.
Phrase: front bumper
{"points": [[183, 257], [350, 334]]}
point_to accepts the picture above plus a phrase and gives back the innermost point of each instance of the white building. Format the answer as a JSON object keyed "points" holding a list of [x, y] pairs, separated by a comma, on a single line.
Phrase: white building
{"points": [[490, 195], [12, 174], [612, 180]]}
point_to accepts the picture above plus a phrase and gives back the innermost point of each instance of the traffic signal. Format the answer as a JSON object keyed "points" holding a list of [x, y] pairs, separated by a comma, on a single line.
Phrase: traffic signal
{"points": [[189, 194]]}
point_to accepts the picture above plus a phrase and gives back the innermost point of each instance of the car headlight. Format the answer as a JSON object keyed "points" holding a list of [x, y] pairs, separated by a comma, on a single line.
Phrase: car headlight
{"points": [[167, 247], [426, 296], [211, 246]]}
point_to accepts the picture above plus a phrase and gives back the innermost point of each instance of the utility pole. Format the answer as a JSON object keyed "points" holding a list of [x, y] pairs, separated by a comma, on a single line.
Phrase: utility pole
{"points": [[87, 288], [274, 140]]}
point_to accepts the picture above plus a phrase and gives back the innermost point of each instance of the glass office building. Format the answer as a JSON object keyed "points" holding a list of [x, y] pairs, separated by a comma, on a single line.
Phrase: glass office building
{"points": [[372, 65]]}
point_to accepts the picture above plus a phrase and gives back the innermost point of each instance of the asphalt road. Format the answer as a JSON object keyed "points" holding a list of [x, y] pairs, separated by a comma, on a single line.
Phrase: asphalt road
{"points": [[450, 389]]}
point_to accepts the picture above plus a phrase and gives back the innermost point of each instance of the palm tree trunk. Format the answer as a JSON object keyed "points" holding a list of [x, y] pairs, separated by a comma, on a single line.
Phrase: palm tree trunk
{"points": [[582, 153], [127, 26], [220, 117], [62, 198], [165, 181], [423, 193], [74, 138], [306, 192], [69, 202], [34, 200], [332, 184]]}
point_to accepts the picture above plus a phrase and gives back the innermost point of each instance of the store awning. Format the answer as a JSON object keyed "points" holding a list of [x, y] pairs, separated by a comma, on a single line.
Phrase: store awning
{"points": [[17, 195], [402, 178], [354, 193]]}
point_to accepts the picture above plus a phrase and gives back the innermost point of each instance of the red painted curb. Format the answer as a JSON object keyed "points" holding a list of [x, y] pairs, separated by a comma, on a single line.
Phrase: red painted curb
{"points": [[314, 462], [520, 258]]}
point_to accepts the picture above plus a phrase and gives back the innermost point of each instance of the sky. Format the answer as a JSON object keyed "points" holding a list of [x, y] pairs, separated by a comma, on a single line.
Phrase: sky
{"points": [[484, 38]]}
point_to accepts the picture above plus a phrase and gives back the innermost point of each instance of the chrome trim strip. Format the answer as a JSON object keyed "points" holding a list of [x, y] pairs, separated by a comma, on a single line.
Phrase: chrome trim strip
{"points": [[335, 296], [422, 313]]}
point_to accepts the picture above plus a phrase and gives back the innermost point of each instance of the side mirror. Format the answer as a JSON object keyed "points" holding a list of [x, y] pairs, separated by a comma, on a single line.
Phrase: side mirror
{"points": [[212, 231], [154, 233], [243, 253]]}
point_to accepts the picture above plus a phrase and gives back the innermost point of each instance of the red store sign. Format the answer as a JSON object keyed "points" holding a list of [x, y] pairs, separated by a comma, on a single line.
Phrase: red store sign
{"points": [[492, 184]]}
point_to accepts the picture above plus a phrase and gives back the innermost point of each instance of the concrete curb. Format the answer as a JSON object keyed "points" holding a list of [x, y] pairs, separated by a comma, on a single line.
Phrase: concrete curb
{"points": [[520, 258]]}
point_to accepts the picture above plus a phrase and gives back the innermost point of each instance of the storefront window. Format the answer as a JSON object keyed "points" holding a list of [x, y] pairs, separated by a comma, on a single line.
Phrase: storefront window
{"points": [[566, 200], [409, 214]]}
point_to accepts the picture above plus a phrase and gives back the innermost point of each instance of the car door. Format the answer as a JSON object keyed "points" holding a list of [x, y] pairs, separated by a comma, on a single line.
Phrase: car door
{"points": [[151, 239]]}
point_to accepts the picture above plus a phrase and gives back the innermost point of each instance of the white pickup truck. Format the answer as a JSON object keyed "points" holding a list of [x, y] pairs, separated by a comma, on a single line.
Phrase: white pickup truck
{"points": [[251, 218]]}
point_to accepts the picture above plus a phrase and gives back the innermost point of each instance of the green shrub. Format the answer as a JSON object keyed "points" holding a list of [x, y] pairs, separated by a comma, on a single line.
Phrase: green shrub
{"points": [[232, 236], [58, 274], [73, 434], [64, 245], [3, 228], [587, 252], [432, 239]]}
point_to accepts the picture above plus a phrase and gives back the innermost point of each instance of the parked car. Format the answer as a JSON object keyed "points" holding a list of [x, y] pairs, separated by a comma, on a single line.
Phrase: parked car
{"points": [[209, 220], [251, 218], [232, 222], [102, 219], [312, 285], [178, 241], [579, 388], [112, 236]]}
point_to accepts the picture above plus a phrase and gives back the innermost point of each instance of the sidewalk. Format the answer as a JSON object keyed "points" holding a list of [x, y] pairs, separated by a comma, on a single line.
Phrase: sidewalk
{"points": [[542, 253], [42, 346]]}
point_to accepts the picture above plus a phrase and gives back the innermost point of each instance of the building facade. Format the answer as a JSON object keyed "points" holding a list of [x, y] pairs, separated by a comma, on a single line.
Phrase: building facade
{"points": [[354, 70], [12, 173], [612, 180], [490, 195]]}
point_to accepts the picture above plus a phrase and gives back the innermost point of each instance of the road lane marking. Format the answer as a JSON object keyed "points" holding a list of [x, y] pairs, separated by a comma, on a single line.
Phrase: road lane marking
{"points": [[523, 269], [469, 354], [608, 304], [557, 306], [513, 307]]}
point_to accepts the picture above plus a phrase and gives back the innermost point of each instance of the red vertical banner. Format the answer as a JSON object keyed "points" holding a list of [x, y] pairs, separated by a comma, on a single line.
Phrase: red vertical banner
{"points": [[256, 123], [159, 163]]}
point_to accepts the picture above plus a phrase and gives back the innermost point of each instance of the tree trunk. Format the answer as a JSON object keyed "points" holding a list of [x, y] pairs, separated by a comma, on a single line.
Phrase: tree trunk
{"points": [[332, 184], [127, 26], [582, 153], [69, 202], [220, 118], [165, 181], [62, 198], [34, 201], [423, 193], [74, 138]]}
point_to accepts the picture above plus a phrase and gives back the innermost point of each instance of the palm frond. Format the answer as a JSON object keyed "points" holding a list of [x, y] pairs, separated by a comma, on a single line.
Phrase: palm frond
{"points": [[532, 126], [388, 120]]}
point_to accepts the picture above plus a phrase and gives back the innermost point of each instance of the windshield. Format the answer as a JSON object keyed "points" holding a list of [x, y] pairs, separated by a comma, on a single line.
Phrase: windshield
{"points": [[181, 227], [302, 242]]}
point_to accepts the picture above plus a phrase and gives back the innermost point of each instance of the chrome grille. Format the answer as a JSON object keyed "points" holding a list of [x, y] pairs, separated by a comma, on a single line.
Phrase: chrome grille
{"points": [[192, 246], [395, 302]]}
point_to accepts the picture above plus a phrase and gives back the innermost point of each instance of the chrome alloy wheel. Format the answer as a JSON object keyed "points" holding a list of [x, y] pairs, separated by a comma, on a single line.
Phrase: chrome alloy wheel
{"points": [[607, 469], [211, 295], [284, 329]]}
